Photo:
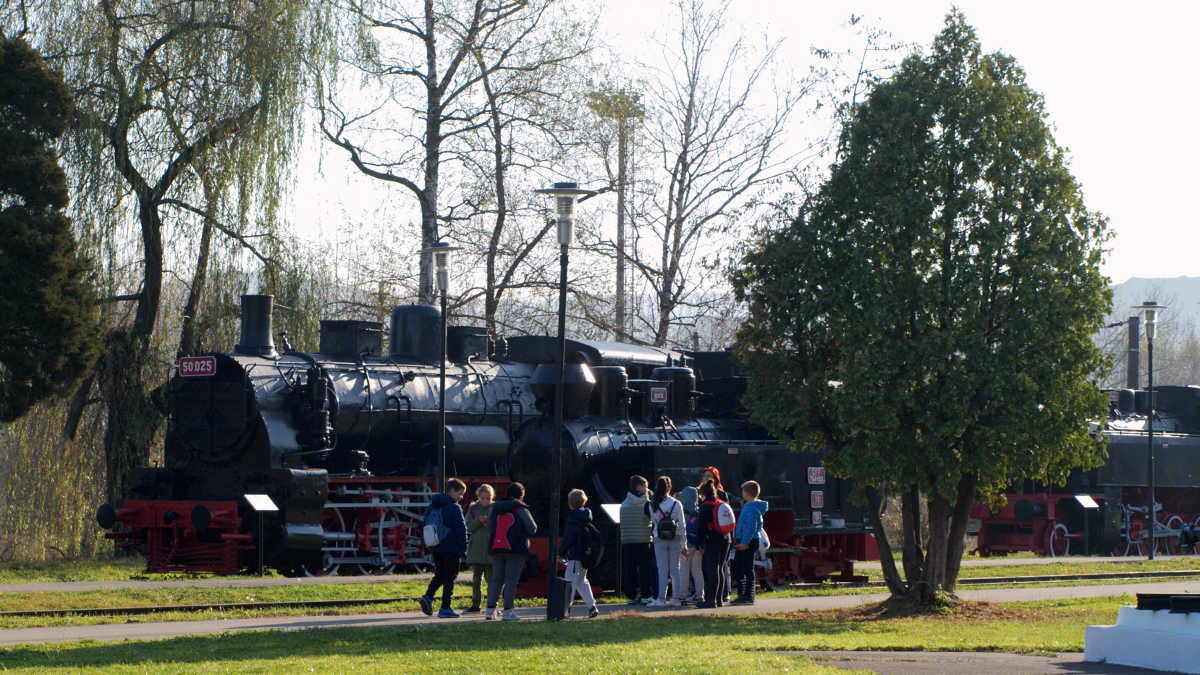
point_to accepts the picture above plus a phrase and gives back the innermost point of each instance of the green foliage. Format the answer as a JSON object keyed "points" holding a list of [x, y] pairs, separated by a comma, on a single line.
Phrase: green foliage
{"points": [[946, 278], [48, 306]]}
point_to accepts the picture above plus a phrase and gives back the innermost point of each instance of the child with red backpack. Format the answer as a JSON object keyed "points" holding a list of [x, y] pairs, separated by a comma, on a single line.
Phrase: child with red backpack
{"points": [[716, 524], [575, 544], [510, 527]]}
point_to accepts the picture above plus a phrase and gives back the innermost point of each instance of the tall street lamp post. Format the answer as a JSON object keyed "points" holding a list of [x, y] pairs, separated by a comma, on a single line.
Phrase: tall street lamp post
{"points": [[441, 259], [564, 195], [1150, 310]]}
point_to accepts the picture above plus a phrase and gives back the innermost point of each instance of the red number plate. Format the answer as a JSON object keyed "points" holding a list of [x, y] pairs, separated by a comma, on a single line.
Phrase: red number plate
{"points": [[816, 475], [658, 394], [816, 499], [816, 517], [197, 366]]}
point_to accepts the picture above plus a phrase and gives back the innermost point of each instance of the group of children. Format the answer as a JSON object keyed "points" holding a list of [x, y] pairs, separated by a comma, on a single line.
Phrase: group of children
{"points": [[686, 538], [693, 562]]}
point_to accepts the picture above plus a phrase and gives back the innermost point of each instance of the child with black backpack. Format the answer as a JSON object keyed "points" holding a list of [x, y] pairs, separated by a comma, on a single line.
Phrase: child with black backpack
{"points": [[578, 545], [670, 542], [510, 527], [746, 537], [445, 533]]}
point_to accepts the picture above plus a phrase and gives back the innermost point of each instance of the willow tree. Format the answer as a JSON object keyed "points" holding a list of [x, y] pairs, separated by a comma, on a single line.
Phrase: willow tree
{"points": [[928, 319], [187, 113]]}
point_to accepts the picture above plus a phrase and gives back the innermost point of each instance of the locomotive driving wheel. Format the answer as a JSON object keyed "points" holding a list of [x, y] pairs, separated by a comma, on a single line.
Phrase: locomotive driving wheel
{"points": [[1059, 544], [331, 552], [1168, 541]]}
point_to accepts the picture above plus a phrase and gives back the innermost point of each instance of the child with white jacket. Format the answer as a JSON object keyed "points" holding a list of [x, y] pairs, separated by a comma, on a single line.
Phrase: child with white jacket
{"points": [[669, 529]]}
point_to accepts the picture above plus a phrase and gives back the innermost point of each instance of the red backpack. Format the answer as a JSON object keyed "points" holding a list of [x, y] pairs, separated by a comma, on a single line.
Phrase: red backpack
{"points": [[723, 520]]}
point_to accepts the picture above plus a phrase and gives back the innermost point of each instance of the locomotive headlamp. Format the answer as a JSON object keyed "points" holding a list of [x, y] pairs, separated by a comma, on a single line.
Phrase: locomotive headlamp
{"points": [[1150, 311], [565, 195], [441, 261]]}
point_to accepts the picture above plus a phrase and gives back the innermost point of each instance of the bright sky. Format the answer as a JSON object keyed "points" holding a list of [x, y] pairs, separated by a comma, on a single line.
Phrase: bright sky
{"points": [[1118, 78]]}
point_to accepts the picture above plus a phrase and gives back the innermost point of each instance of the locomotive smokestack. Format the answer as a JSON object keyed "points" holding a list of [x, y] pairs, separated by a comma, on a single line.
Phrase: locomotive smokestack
{"points": [[256, 327], [1131, 361]]}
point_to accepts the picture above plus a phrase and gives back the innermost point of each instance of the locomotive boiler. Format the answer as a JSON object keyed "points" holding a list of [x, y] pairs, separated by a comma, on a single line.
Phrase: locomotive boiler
{"points": [[344, 441]]}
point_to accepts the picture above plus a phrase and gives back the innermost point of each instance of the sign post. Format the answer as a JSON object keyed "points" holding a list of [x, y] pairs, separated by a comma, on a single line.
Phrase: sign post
{"points": [[613, 511], [261, 504]]}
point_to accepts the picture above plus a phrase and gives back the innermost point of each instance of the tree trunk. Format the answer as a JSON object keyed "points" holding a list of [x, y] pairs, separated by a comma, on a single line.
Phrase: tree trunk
{"points": [[133, 414], [187, 333], [886, 559], [935, 567], [914, 561], [958, 530]]}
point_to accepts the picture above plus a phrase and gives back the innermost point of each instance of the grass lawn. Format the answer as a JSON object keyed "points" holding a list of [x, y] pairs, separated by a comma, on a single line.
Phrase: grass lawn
{"points": [[701, 644], [97, 569]]}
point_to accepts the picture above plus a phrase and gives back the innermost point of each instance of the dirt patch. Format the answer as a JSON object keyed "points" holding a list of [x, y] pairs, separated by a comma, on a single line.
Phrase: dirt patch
{"points": [[903, 608]]}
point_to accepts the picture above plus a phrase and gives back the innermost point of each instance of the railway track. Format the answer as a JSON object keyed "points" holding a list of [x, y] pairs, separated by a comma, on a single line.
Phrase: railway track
{"points": [[351, 602]]}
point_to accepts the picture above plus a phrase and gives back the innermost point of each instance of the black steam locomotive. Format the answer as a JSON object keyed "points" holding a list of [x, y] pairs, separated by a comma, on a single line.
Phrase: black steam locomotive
{"points": [[344, 442]]}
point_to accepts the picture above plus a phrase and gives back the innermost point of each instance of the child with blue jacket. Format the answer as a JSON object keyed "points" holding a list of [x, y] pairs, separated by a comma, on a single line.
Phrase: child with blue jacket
{"points": [[447, 553], [745, 538]]}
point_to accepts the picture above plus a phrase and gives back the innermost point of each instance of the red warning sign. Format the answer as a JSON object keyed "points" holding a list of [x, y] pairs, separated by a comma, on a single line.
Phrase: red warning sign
{"points": [[816, 475], [197, 366]]}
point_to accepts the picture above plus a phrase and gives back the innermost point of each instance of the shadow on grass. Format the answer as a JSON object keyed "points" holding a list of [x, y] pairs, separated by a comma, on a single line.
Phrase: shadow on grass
{"points": [[398, 641]]}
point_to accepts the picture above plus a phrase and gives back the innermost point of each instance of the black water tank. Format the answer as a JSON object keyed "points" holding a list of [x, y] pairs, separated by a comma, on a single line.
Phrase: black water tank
{"points": [[578, 383], [256, 337], [351, 339], [416, 333], [1125, 401], [466, 342], [682, 382], [608, 398]]}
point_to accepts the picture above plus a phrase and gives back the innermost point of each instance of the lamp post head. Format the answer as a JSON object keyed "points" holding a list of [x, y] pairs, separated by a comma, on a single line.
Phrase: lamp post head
{"points": [[1150, 310], [441, 261], [565, 195]]}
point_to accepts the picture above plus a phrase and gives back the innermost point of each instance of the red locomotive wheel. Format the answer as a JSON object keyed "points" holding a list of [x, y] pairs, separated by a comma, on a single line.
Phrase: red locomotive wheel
{"points": [[1058, 543]]}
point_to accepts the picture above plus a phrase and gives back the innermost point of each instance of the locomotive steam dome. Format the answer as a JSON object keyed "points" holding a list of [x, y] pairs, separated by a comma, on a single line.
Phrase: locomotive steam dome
{"points": [[578, 383]]}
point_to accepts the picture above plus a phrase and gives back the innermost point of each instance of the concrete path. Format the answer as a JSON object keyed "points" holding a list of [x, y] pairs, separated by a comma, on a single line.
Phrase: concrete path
{"points": [[955, 663], [255, 582], [214, 582], [169, 629]]}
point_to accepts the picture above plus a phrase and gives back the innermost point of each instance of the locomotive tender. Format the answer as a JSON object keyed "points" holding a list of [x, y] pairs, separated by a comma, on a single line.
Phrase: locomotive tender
{"points": [[344, 441]]}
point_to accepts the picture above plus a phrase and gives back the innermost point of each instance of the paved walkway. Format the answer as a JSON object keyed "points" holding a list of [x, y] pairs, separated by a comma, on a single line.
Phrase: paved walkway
{"points": [[976, 663], [254, 582], [169, 629]]}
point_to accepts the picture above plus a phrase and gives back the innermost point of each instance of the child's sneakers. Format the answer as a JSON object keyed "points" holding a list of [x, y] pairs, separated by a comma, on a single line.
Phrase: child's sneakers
{"points": [[593, 612], [656, 603], [447, 613], [674, 602], [470, 610], [636, 600], [511, 615], [426, 604], [490, 613]]}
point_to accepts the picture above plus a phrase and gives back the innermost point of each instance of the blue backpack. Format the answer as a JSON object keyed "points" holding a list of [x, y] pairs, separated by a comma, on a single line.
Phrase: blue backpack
{"points": [[435, 531]]}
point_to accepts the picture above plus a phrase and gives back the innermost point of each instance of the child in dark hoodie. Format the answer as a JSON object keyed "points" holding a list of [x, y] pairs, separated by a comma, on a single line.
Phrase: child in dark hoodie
{"points": [[509, 527], [745, 536], [448, 551], [572, 549], [693, 574]]}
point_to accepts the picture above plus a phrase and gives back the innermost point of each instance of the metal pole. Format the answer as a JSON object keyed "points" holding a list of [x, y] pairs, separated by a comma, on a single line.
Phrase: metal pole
{"points": [[1150, 438], [442, 398], [260, 543], [556, 473], [620, 300]]}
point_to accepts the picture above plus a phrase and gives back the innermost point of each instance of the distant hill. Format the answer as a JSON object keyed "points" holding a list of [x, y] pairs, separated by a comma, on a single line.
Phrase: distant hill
{"points": [[1181, 295]]}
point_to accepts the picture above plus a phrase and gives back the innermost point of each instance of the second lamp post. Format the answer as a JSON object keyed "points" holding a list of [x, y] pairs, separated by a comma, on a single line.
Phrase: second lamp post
{"points": [[1150, 310], [441, 260], [564, 195]]}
